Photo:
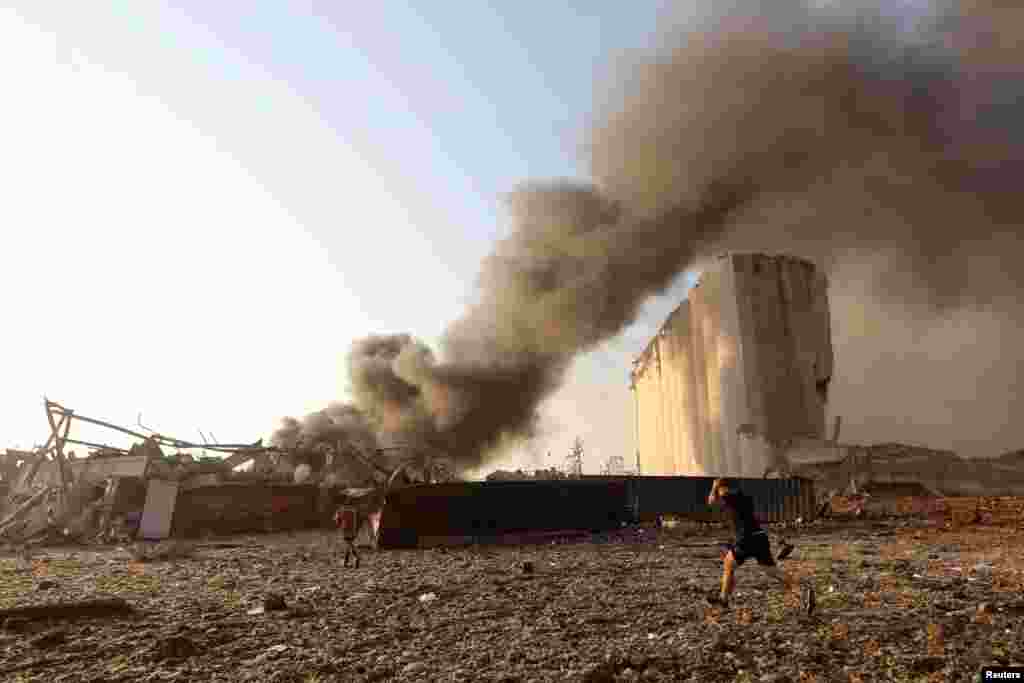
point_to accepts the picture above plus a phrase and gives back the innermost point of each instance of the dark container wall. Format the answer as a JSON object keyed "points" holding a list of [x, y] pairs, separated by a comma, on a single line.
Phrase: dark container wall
{"points": [[483, 509], [488, 509]]}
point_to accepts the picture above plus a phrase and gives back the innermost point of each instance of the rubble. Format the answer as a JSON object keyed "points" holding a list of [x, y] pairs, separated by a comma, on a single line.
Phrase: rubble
{"points": [[274, 602], [49, 639], [68, 610], [119, 495], [616, 606], [520, 475], [948, 512], [850, 469], [174, 647]]}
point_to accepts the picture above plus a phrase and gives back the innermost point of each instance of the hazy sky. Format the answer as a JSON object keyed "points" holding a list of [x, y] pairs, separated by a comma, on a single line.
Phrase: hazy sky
{"points": [[204, 204]]}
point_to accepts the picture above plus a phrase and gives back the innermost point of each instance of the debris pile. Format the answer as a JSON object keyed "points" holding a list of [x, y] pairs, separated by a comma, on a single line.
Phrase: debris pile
{"points": [[851, 469], [953, 513], [162, 486], [520, 475], [893, 602]]}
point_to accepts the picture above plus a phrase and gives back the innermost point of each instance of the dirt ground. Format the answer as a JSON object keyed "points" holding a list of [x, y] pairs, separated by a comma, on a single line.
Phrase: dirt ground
{"points": [[895, 603]]}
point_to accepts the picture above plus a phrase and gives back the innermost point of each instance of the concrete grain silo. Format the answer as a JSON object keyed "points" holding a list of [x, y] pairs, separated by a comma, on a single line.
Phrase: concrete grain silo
{"points": [[748, 353]]}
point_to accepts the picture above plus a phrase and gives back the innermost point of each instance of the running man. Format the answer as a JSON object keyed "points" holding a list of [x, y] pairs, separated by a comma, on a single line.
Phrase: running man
{"points": [[751, 542]]}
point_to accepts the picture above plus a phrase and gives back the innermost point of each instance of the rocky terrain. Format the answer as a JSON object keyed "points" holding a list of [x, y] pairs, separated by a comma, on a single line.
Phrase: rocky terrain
{"points": [[896, 602]]}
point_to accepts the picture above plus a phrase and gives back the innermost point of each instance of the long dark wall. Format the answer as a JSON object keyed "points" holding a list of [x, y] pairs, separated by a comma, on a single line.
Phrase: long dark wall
{"points": [[484, 509], [488, 509], [246, 508], [492, 508]]}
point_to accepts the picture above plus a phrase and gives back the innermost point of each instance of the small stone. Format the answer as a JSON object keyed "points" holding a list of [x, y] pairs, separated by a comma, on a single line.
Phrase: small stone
{"points": [[15, 625], [46, 584], [274, 601], [527, 567], [49, 639], [413, 667], [175, 647]]}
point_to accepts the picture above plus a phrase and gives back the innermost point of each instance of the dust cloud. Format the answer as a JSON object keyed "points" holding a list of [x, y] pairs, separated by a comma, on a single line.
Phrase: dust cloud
{"points": [[885, 148]]}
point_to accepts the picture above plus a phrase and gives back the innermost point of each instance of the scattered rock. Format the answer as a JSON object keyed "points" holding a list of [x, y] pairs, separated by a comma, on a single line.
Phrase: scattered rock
{"points": [[15, 625], [414, 668], [927, 665], [175, 647], [49, 639], [602, 598], [274, 602]]}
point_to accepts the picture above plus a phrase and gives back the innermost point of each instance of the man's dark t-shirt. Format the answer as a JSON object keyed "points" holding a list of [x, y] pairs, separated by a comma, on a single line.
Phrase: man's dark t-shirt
{"points": [[741, 506]]}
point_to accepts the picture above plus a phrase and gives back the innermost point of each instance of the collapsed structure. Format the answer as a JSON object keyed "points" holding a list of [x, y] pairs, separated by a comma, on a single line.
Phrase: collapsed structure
{"points": [[750, 350], [148, 493], [736, 384], [144, 493]]}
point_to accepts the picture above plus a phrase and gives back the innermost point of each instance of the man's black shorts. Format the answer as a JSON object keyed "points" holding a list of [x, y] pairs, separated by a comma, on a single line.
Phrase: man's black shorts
{"points": [[755, 546]]}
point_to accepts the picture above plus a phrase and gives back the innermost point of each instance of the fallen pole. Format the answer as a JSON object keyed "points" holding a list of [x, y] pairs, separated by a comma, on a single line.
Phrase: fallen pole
{"points": [[69, 610], [95, 445], [165, 440], [23, 509]]}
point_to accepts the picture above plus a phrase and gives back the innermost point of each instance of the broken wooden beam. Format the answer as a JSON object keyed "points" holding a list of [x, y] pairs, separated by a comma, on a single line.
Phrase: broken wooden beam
{"points": [[23, 509], [158, 438], [100, 446], [69, 610], [58, 445]]}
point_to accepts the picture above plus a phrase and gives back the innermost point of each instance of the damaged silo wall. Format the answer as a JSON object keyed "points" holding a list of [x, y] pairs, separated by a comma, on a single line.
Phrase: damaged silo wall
{"points": [[750, 350]]}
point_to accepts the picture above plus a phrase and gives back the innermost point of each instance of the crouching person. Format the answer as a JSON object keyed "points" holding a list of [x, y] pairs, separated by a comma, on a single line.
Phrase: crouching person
{"points": [[346, 519]]}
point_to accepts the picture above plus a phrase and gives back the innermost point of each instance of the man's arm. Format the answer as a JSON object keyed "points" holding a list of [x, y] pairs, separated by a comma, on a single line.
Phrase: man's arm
{"points": [[713, 496]]}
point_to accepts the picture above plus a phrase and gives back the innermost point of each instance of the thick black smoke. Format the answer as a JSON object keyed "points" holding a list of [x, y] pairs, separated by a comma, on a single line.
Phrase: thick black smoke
{"points": [[338, 422], [881, 152]]}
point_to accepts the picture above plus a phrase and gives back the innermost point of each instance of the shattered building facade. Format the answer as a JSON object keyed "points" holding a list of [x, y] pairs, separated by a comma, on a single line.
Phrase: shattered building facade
{"points": [[145, 493], [749, 352]]}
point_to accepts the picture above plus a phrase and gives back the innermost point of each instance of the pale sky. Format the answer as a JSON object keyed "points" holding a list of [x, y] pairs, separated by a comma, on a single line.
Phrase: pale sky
{"points": [[204, 204]]}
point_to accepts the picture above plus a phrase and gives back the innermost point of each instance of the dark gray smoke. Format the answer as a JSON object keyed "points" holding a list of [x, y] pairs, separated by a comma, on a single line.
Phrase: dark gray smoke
{"points": [[889, 155], [886, 152], [337, 422]]}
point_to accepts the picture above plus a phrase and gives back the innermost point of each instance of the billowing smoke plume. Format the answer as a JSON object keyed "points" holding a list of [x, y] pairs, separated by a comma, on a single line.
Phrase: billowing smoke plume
{"points": [[887, 149], [879, 151], [337, 422]]}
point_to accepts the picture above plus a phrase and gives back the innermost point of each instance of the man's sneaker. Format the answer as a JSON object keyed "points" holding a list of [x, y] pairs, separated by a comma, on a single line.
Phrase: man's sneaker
{"points": [[787, 550], [808, 600], [716, 600]]}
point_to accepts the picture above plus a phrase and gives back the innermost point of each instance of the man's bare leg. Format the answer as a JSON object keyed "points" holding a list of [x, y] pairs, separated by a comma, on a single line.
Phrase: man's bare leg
{"points": [[728, 581]]}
